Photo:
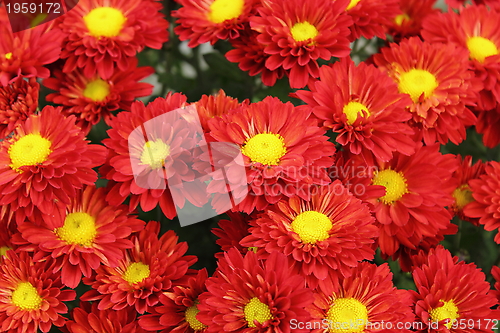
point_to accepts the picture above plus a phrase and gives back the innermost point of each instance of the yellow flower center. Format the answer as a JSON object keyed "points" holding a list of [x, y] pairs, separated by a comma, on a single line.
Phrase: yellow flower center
{"points": [[8, 56], [394, 183], [303, 31], [154, 153], [256, 310], [265, 148], [190, 315], [97, 90], [3, 250], [223, 10], [353, 109], [401, 18], [79, 228], [448, 311], [253, 249], [31, 149], [104, 22], [312, 226], [463, 196], [347, 315], [417, 82], [26, 297], [480, 48], [352, 4], [136, 272]]}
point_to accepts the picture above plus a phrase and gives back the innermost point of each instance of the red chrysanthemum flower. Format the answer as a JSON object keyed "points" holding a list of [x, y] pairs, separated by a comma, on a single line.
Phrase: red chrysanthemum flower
{"points": [[151, 267], [178, 309], [488, 123], [247, 295], [18, 101], [440, 89], [48, 176], [486, 204], [31, 295], [91, 99], [284, 151], [462, 193], [297, 33], [250, 56], [210, 106], [171, 136], [371, 18], [476, 30], [450, 294], [203, 21], [495, 271], [494, 4], [81, 236], [364, 107], [7, 230], [417, 191], [366, 301], [231, 232], [103, 36], [24, 54], [88, 318], [323, 236], [409, 23]]}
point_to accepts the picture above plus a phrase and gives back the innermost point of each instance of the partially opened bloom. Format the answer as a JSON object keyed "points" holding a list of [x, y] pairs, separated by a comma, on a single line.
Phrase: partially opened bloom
{"points": [[323, 236], [177, 309], [417, 191], [202, 21], [440, 89], [18, 101], [25, 53], [284, 151], [450, 293], [249, 295], [495, 271], [364, 107], [409, 22], [371, 18], [103, 36], [91, 99], [231, 232], [365, 301], [486, 204], [89, 318], [44, 164], [296, 34], [475, 29], [31, 295], [81, 236], [150, 268]]}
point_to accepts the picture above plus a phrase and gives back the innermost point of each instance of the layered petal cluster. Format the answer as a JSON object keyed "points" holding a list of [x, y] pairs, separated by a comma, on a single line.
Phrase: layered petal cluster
{"points": [[89, 318], [450, 294], [92, 98], [249, 295], [31, 295], [409, 22], [25, 53], [149, 269], [296, 34], [418, 189], [203, 21], [81, 235], [372, 18], [364, 107], [177, 309], [18, 101], [103, 36], [485, 205], [440, 89], [365, 301], [323, 236], [141, 169], [44, 164], [231, 232], [495, 271], [284, 151]]}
